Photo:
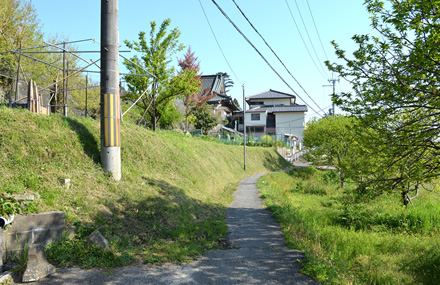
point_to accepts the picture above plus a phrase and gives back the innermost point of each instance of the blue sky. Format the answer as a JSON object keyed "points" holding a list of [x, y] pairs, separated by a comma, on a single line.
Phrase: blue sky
{"points": [[335, 20]]}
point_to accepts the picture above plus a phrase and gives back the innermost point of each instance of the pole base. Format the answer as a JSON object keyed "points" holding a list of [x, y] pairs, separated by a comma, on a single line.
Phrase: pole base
{"points": [[111, 161]]}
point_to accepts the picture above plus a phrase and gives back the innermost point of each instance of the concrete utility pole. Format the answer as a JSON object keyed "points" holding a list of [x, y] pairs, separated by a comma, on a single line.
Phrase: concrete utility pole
{"points": [[244, 126], [333, 81], [110, 102]]}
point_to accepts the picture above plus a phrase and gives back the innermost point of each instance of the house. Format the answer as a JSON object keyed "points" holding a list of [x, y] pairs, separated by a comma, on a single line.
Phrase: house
{"points": [[221, 104], [274, 113]]}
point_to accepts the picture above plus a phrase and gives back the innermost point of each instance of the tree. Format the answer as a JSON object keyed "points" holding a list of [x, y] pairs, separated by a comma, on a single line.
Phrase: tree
{"points": [[228, 81], [395, 78], [18, 27], [332, 141], [154, 62], [192, 97], [204, 121], [237, 103]]}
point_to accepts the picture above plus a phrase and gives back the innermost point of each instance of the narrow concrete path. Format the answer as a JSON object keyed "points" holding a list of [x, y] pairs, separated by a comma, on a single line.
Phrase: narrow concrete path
{"points": [[258, 255]]}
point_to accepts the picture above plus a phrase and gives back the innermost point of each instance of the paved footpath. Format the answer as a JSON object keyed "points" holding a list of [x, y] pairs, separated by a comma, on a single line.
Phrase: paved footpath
{"points": [[258, 255]]}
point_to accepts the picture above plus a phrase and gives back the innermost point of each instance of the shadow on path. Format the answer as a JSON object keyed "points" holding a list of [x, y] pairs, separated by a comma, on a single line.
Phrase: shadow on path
{"points": [[258, 255]]}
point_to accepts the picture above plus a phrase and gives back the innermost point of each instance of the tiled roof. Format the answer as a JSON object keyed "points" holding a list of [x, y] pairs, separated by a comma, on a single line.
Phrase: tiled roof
{"points": [[271, 94], [257, 110], [278, 109], [294, 108], [219, 97], [212, 83]]}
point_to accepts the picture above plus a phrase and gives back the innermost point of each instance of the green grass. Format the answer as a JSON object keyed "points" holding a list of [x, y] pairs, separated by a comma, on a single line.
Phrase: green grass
{"points": [[348, 239], [168, 207]]}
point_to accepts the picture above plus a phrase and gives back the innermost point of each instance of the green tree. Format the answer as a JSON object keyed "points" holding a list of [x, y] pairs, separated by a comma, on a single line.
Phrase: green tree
{"points": [[229, 83], [190, 90], [395, 78], [237, 103], [204, 120], [153, 61], [332, 141], [19, 27]]}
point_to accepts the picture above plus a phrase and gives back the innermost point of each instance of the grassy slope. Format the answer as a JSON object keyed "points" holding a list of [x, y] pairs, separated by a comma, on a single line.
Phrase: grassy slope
{"points": [[169, 205]]}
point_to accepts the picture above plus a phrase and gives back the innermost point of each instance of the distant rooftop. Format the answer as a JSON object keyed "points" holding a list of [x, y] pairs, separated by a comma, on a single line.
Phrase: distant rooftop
{"points": [[271, 94], [278, 109]]}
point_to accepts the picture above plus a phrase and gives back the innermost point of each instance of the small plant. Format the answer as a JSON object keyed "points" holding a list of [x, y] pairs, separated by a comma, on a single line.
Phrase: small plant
{"points": [[9, 206], [20, 259]]}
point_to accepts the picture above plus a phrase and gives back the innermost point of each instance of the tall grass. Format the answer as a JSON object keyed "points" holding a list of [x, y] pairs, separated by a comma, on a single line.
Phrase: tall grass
{"points": [[350, 240], [168, 207]]}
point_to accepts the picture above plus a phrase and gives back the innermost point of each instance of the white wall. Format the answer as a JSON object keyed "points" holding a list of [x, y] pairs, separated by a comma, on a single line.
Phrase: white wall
{"points": [[277, 102], [291, 123], [271, 102], [261, 122]]}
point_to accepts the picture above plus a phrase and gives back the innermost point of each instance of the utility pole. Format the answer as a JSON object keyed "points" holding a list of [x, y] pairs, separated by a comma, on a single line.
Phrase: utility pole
{"points": [[110, 102], [64, 80], [18, 77], [87, 87], [333, 81], [244, 126]]}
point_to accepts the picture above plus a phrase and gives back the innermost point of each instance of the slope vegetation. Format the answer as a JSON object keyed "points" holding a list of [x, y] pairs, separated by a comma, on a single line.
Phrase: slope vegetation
{"points": [[169, 205]]}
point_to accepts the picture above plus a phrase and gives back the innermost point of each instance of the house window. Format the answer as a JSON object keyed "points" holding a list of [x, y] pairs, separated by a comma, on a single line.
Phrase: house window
{"points": [[252, 130], [256, 103], [255, 117]]}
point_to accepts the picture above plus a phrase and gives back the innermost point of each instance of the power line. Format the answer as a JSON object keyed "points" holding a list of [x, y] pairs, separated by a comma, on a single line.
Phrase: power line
{"points": [[304, 42], [304, 117], [265, 60], [218, 44], [319, 37], [276, 55], [308, 35]]}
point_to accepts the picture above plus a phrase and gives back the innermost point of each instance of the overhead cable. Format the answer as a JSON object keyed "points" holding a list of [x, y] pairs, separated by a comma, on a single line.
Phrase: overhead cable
{"points": [[304, 42], [308, 35], [275, 54], [218, 44], [316, 29], [265, 60]]}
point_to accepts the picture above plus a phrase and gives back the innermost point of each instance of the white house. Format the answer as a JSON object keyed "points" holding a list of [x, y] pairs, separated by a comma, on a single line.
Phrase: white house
{"points": [[275, 113]]}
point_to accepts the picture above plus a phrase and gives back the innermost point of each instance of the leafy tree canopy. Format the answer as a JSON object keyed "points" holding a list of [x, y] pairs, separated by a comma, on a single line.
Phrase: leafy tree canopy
{"points": [[18, 26], [153, 61], [332, 141], [204, 119], [229, 83], [395, 78]]}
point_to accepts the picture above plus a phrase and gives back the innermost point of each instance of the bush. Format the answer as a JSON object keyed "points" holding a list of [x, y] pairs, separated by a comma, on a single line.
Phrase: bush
{"points": [[266, 139], [280, 144]]}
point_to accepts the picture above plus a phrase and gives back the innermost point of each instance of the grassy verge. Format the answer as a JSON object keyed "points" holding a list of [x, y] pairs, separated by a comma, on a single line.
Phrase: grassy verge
{"points": [[168, 207], [349, 239]]}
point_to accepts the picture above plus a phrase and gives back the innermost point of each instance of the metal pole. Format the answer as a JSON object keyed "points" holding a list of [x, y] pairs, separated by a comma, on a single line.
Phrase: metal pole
{"points": [[67, 88], [333, 103], [87, 86], [18, 77], [154, 106], [244, 126], [110, 106], [64, 79]]}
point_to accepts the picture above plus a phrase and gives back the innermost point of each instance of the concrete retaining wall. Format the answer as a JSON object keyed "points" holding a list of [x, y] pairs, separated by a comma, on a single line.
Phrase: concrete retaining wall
{"points": [[33, 230]]}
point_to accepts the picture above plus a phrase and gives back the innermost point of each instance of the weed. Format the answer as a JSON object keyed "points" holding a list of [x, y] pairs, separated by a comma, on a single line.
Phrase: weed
{"points": [[351, 240], [21, 258]]}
